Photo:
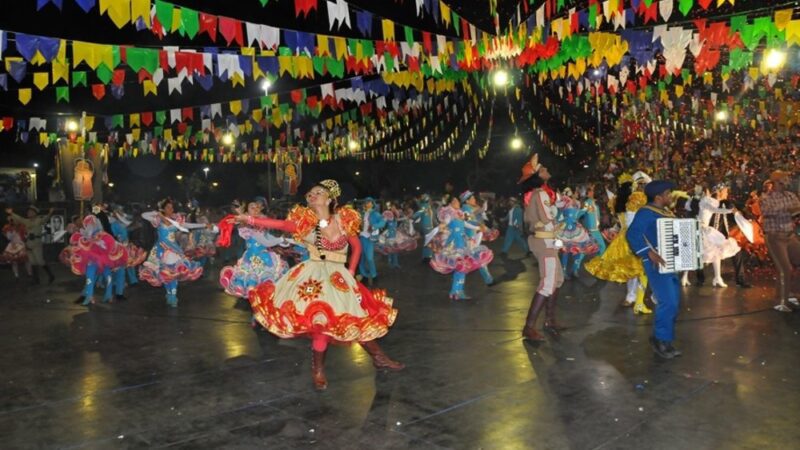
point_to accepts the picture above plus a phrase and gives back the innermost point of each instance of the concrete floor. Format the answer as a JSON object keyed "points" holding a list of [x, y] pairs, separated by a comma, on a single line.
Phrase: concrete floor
{"points": [[140, 375]]}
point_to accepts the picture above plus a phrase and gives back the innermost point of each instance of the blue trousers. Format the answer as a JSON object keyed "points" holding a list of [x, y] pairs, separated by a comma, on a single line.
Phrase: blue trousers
{"points": [[667, 291], [394, 260], [576, 263], [92, 276], [366, 265], [457, 287], [487, 277], [514, 235], [427, 253], [172, 293], [601, 242]]}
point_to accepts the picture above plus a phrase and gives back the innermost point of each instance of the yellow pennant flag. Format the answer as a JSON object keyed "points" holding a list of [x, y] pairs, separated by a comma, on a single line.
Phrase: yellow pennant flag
{"points": [[60, 71], [237, 79], [388, 29], [782, 18], [134, 120], [41, 80], [25, 95], [136, 133], [176, 20], [258, 114], [120, 12], [141, 9], [445, 10], [340, 45], [236, 107], [149, 87], [88, 123], [323, 49]]}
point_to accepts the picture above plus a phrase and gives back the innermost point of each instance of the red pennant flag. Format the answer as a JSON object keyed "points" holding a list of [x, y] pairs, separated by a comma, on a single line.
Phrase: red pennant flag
{"points": [[304, 7], [187, 114], [705, 4], [297, 96], [231, 30], [144, 75], [651, 13], [119, 77], [426, 42], [208, 25], [182, 128], [465, 28], [147, 118], [99, 91]]}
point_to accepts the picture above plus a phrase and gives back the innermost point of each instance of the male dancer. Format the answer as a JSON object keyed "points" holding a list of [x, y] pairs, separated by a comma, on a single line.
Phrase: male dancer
{"points": [[372, 222], [514, 230], [424, 216], [643, 239], [33, 223], [540, 217]]}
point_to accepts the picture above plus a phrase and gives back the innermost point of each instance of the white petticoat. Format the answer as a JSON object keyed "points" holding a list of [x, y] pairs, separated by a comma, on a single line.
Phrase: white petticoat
{"points": [[716, 245]]}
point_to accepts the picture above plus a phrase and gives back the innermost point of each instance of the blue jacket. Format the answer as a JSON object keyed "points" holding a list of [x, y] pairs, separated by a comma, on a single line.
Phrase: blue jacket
{"points": [[516, 218], [643, 230]]}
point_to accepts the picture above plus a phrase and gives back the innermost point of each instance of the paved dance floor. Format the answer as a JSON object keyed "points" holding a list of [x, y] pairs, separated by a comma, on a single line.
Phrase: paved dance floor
{"points": [[138, 374]]}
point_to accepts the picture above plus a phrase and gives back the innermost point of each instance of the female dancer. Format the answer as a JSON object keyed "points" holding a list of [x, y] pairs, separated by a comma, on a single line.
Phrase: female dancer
{"points": [[15, 252], [95, 253], [576, 240], [395, 239], [320, 298], [201, 240], [454, 251], [591, 219], [136, 254], [618, 263], [258, 264], [476, 216], [167, 265], [716, 245]]}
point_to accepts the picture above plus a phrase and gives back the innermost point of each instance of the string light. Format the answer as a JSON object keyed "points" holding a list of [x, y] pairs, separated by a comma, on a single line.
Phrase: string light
{"points": [[500, 78]]}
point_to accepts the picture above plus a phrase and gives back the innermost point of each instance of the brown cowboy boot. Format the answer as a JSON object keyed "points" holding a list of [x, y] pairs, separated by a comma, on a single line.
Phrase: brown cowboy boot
{"points": [[529, 332], [318, 370], [379, 359], [550, 324]]}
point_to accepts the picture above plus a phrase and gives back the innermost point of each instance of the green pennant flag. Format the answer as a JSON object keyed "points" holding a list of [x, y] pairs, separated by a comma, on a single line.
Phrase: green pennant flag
{"points": [[164, 12], [117, 121], [62, 93], [559, 5], [456, 22], [190, 22], [188, 130], [116, 56], [285, 51], [740, 59], [319, 64], [388, 61], [264, 2], [409, 35], [79, 78], [266, 101], [369, 48], [103, 73], [161, 117], [143, 58], [738, 22], [593, 16], [648, 3], [335, 67]]}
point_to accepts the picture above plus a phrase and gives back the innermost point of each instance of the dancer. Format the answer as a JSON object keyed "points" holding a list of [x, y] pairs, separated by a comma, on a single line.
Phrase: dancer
{"points": [[642, 235], [424, 217], [395, 239], [33, 240], [453, 251], [618, 263], [591, 219], [320, 298], [781, 211], [201, 245], [514, 232], [136, 255], [96, 255], [540, 217], [166, 264], [575, 239], [716, 245], [258, 263], [15, 252], [478, 232], [371, 226]]}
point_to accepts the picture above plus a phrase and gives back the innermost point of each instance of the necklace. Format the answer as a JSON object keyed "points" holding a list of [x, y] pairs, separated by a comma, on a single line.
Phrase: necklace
{"points": [[323, 223]]}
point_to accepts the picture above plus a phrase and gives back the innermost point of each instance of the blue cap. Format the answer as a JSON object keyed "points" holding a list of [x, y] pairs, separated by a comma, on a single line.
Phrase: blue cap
{"points": [[369, 200], [466, 195], [656, 187]]}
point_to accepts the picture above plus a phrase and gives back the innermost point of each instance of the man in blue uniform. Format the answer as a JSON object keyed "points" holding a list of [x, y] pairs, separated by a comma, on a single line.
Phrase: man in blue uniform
{"points": [[424, 217], [371, 223], [643, 239], [514, 230]]}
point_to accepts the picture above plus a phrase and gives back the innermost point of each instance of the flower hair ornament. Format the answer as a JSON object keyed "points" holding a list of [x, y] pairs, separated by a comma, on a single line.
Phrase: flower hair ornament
{"points": [[332, 187]]}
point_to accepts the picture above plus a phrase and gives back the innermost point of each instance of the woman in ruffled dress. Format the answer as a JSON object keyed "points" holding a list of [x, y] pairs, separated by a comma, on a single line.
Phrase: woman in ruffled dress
{"points": [[716, 246], [320, 297], [94, 253], [15, 252], [166, 264], [258, 263], [454, 251], [396, 239], [578, 243]]}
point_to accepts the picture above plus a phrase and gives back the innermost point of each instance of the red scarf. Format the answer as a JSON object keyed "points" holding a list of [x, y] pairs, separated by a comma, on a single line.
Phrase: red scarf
{"points": [[226, 226], [550, 193]]}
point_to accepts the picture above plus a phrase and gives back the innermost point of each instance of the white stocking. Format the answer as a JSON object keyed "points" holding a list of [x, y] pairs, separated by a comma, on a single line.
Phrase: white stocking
{"points": [[633, 286]]}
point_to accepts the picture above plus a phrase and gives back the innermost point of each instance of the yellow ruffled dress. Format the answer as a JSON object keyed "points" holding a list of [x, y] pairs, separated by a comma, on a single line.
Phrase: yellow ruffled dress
{"points": [[618, 263]]}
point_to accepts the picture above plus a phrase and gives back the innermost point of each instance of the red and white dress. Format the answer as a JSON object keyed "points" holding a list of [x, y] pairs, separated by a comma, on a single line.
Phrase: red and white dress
{"points": [[319, 296]]}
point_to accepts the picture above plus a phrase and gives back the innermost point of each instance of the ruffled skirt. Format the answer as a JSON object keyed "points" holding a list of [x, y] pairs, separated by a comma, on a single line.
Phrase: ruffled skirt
{"points": [[136, 255], [322, 298], [15, 252], [168, 266], [450, 259], [618, 263], [400, 243], [758, 247], [490, 235], [104, 253], [250, 271], [577, 241], [716, 245]]}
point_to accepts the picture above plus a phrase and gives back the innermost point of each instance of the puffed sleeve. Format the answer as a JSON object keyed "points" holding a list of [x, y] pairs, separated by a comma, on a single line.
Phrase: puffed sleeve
{"points": [[350, 221], [304, 219]]}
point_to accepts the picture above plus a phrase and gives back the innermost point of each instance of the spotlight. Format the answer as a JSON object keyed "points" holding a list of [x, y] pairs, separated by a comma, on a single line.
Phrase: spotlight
{"points": [[35, 165], [774, 59], [721, 116], [516, 143], [215, 184], [358, 173], [596, 72], [179, 177], [352, 145], [266, 84], [417, 187], [227, 139], [72, 126], [500, 78], [111, 185]]}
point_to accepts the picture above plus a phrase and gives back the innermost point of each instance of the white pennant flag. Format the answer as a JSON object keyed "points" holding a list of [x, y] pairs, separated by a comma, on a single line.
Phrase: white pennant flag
{"points": [[419, 4], [665, 9], [174, 115], [216, 110], [253, 31], [338, 12], [174, 84], [270, 37]]}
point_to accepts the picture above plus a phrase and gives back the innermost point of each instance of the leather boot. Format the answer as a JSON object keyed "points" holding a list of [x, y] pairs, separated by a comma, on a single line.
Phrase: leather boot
{"points": [[379, 359], [550, 324], [318, 370], [529, 332], [35, 273], [50, 276]]}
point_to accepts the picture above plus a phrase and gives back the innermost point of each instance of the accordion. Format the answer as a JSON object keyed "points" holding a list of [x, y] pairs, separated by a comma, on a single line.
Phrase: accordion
{"points": [[680, 244]]}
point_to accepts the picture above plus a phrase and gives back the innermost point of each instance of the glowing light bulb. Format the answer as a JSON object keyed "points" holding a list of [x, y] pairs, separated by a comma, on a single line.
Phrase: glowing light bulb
{"points": [[500, 78], [774, 59], [516, 143]]}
